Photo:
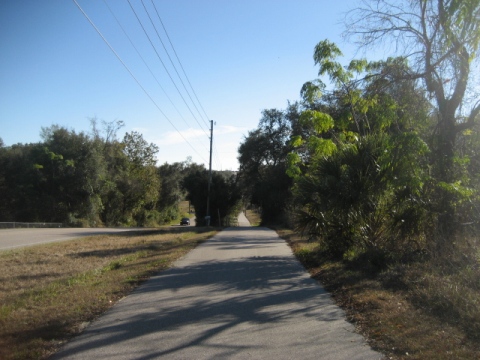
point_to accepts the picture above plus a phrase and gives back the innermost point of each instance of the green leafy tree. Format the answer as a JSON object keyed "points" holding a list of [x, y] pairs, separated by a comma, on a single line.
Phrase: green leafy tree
{"points": [[171, 192], [367, 195], [140, 184], [440, 38], [263, 164], [21, 193], [73, 169], [114, 183], [225, 196], [360, 173], [81, 179]]}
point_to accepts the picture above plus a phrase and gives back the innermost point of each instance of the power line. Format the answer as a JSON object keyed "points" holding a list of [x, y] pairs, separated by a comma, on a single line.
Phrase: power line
{"points": [[169, 57], [178, 59], [144, 62], [163, 64], [217, 157], [133, 76]]}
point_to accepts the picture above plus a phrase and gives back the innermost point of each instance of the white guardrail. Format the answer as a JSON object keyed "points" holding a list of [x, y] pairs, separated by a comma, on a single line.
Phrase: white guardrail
{"points": [[23, 225]]}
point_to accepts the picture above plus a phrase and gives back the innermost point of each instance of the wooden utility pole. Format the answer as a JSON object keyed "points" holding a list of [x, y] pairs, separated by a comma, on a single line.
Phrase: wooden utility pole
{"points": [[209, 175]]}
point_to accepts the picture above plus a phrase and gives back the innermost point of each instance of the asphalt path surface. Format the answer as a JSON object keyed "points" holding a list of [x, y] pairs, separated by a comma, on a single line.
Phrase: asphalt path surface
{"points": [[240, 295], [15, 238]]}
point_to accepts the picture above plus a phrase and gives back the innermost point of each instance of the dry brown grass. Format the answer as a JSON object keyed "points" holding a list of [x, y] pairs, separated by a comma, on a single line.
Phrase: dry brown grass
{"points": [[184, 208], [421, 310], [254, 217], [48, 293]]}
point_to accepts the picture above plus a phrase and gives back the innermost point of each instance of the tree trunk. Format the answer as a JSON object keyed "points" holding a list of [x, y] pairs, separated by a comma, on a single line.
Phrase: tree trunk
{"points": [[445, 173]]}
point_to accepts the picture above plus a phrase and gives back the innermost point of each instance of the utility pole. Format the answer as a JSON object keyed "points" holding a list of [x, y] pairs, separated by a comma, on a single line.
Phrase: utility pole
{"points": [[209, 175]]}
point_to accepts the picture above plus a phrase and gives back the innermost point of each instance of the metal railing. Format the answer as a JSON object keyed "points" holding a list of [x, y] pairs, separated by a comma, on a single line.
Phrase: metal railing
{"points": [[23, 225]]}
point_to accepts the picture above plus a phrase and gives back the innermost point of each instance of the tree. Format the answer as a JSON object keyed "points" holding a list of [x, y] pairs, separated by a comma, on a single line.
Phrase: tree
{"points": [[225, 195], [81, 179], [3, 184], [262, 158], [141, 185], [440, 39], [73, 170], [21, 188], [366, 195], [171, 192], [358, 160], [138, 150]]}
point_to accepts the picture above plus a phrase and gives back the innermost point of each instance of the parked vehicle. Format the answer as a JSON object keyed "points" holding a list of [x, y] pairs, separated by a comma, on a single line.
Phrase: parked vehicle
{"points": [[185, 221]]}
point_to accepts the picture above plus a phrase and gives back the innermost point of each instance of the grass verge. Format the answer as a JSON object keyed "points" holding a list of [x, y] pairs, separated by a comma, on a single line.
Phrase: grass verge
{"points": [[49, 293], [254, 217], [426, 309]]}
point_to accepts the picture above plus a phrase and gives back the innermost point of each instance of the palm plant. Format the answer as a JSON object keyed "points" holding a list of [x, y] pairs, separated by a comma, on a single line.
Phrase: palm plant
{"points": [[364, 195]]}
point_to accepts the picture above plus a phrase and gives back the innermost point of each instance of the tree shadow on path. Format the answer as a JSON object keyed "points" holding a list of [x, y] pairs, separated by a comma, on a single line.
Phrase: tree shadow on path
{"points": [[224, 309]]}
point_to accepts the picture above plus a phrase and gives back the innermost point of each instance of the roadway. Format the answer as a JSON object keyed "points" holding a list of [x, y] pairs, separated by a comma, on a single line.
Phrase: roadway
{"points": [[15, 238]]}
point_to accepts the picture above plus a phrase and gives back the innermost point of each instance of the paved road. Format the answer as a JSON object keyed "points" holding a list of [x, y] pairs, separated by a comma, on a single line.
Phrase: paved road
{"points": [[241, 295], [14, 238], [242, 220]]}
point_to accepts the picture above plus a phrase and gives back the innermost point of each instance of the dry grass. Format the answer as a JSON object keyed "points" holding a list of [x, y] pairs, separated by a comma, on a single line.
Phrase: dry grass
{"points": [[421, 310], [184, 208], [254, 217], [48, 293]]}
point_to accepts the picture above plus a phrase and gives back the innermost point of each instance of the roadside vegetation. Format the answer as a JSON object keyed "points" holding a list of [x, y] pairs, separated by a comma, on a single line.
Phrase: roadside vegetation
{"points": [[376, 169], [253, 217], [424, 308], [49, 293], [96, 179]]}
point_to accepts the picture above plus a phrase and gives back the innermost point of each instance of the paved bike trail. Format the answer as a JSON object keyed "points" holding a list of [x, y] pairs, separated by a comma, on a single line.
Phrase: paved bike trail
{"points": [[240, 295]]}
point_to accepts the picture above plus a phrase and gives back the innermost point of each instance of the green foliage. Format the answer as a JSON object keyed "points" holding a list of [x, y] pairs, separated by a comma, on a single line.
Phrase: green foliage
{"points": [[314, 146], [171, 192], [138, 151], [320, 147], [361, 161], [263, 163], [356, 197], [293, 165], [225, 196], [441, 40], [317, 120], [80, 180], [461, 17], [311, 91], [324, 55]]}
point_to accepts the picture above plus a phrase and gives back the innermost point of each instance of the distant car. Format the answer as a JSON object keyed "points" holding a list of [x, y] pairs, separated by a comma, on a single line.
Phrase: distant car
{"points": [[185, 221]]}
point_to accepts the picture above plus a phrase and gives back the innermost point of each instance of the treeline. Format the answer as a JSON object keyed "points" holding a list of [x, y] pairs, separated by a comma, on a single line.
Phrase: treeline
{"points": [[364, 168], [96, 179]]}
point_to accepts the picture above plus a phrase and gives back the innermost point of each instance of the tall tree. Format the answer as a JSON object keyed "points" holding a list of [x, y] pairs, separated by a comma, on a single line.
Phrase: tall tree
{"points": [[224, 195], [262, 158], [141, 186], [359, 166], [171, 192], [441, 39], [74, 171], [23, 196]]}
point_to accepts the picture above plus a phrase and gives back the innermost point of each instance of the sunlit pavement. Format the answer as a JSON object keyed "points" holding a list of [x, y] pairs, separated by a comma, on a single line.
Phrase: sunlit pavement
{"points": [[240, 295], [15, 238]]}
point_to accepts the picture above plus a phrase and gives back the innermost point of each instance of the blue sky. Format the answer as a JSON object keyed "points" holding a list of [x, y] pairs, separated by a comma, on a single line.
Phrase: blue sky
{"points": [[241, 56]]}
